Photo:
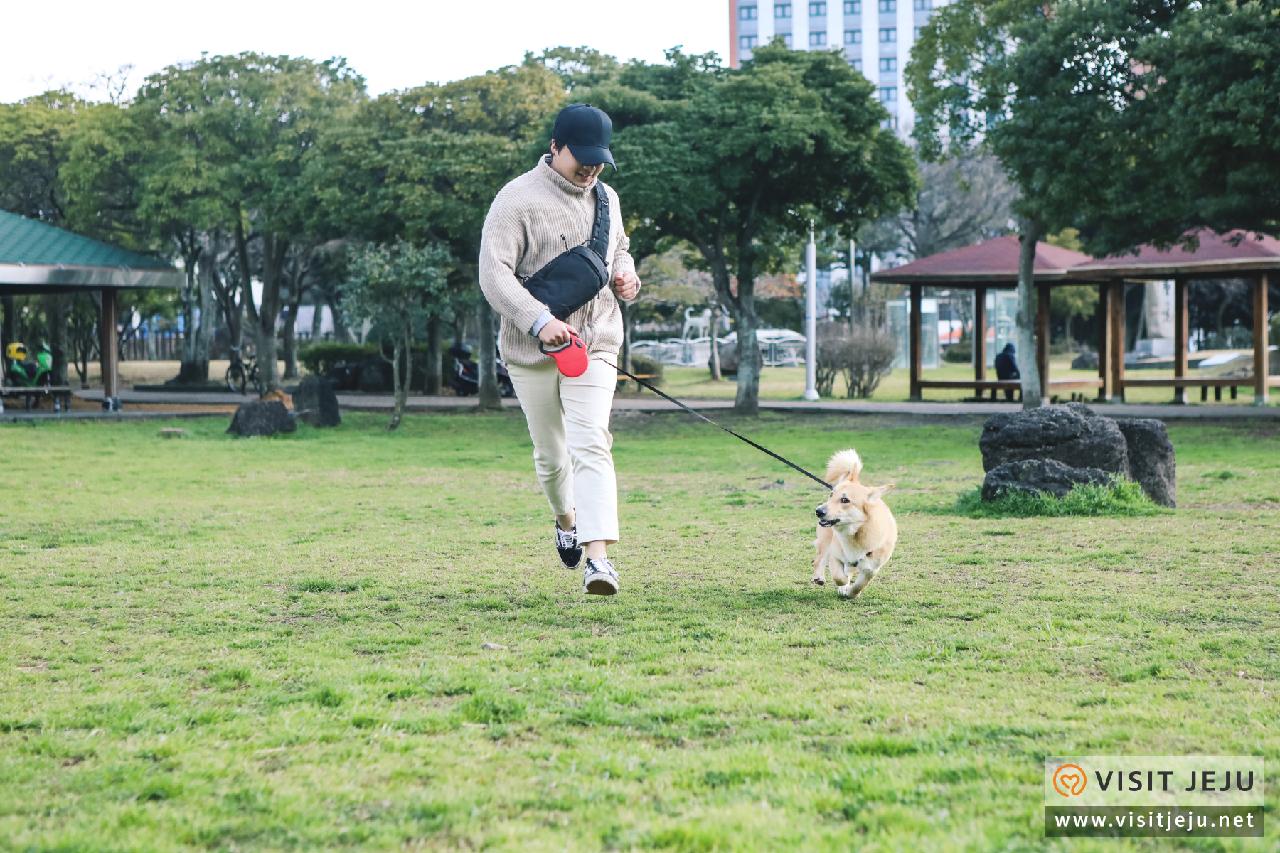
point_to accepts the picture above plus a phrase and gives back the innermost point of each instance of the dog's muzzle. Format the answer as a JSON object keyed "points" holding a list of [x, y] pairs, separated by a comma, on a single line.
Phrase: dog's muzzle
{"points": [[823, 521]]}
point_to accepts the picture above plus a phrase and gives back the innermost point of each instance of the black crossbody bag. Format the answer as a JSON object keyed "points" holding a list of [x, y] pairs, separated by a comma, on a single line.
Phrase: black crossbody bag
{"points": [[573, 278]]}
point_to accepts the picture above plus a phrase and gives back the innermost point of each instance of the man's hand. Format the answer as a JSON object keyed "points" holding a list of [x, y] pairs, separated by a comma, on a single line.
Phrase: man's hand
{"points": [[626, 285], [556, 332]]}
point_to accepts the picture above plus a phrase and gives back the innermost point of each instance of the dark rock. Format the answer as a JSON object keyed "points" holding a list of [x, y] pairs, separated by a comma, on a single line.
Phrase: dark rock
{"points": [[1039, 475], [316, 402], [1087, 360], [1071, 434], [1151, 458], [261, 417]]}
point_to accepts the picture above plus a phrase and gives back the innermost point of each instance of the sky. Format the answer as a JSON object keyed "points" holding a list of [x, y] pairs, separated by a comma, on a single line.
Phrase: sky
{"points": [[394, 45]]}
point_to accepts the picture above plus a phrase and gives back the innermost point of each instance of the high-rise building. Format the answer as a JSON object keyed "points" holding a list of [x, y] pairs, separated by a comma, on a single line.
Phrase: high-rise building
{"points": [[875, 35]]}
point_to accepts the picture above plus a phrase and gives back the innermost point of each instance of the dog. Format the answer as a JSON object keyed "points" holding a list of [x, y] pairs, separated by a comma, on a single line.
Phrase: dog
{"points": [[856, 531]]}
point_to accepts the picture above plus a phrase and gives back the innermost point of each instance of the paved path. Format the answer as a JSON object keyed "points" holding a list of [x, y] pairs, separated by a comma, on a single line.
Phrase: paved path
{"points": [[420, 403]]}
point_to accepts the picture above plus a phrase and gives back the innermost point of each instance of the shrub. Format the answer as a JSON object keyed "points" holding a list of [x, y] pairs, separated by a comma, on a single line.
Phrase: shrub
{"points": [[643, 365], [862, 354], [320, 358], [959, 353], [871, 353]]}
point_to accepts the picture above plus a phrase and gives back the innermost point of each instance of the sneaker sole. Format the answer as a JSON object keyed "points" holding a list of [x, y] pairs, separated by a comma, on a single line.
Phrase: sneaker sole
{"points": [[600, 586]]}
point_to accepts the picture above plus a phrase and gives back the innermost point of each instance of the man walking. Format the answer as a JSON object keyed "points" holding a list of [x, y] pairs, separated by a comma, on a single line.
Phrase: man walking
{"points": [[535, 218]]}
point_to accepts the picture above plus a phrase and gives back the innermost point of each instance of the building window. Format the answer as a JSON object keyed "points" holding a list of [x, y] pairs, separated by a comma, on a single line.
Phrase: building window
{"points": [[888, 64], [746, 13], [746, 42], [888, 94], [818, 38], [918, 29], [888, 5], [923, 5], [782, 10], [818, 9], [891, 123], [853, 36], [786, 39], [853, 7], [856, 64], [888, 35]]}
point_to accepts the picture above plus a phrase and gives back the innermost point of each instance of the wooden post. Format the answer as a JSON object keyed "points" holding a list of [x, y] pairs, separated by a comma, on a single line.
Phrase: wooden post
{"points": [[1117, 341], [1181, 331], [1042, 338], [109, 350], [1104, 341], [1260, 342], [917, 295], [979, 337]]}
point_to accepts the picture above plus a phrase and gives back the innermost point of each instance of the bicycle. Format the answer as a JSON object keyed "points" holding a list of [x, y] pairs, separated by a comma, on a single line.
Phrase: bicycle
{"points": [[241, 372]]}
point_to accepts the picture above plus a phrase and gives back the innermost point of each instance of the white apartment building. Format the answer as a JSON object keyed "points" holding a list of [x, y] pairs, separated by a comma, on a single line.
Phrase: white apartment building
{"points": [[875, 35]]}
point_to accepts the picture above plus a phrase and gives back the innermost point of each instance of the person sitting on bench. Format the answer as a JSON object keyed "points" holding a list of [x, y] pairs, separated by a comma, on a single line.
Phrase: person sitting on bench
{"points": [[1006, 368]]}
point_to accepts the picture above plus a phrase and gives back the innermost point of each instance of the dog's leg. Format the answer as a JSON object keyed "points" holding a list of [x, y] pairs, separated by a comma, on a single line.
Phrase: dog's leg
{"points": [[821, 543], [867, 569], [839, 571]]}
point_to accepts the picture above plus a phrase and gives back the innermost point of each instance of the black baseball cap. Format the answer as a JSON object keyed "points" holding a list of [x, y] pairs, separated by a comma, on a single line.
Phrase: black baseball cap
{"points": [[587, 130]]}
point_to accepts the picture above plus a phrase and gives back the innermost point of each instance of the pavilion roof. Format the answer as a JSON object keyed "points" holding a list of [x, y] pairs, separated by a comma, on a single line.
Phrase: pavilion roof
{"points": [[36, 257], [993, 261]]}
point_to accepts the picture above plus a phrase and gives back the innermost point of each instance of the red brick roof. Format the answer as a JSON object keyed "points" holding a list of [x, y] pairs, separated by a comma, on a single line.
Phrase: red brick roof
{"points": [[991, 261], [1221, 253]]}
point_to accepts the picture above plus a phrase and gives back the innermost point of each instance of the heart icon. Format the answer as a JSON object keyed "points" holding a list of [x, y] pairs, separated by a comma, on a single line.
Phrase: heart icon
{"points": [[1069, 780]]}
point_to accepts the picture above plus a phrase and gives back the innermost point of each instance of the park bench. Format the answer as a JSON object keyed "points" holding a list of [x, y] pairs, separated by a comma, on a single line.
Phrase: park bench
{"points": [[31, 397]]}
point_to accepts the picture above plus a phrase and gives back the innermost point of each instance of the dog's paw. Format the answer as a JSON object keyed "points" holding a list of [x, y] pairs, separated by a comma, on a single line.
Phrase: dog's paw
{"points": [[846, 591], [819, 582]]}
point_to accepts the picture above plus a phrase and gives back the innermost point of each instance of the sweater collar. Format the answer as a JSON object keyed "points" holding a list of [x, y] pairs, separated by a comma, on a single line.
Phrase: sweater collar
{"points": [[559, 180]]}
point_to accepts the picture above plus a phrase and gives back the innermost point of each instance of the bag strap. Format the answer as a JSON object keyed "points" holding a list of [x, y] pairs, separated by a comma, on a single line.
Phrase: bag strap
{"points": [[600, 228]]}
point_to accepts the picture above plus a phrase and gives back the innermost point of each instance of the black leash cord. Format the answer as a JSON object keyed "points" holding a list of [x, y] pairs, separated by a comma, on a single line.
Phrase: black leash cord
{"points": [[759, 447]]}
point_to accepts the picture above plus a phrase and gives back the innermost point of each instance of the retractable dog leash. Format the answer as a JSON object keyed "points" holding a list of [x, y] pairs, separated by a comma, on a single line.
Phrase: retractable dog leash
{"points": [[573, 356]]}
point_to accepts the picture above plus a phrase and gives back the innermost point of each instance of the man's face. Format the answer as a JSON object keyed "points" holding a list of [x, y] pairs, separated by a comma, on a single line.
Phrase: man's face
{"points": [[563, 161]]}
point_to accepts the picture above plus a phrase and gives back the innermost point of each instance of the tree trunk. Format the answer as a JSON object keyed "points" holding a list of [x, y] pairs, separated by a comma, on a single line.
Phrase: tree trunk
{"points": [[341, 333], [198, 323], [490, 397], [747, 401], [317, 316], [715, 342], [433, 372], [398, 379], [55, 307], [1028, 364]]}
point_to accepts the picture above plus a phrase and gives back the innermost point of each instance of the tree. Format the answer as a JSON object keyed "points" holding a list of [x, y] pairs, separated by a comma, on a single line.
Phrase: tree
{"points": [[740, 160], [248, 125], [394, 287]]}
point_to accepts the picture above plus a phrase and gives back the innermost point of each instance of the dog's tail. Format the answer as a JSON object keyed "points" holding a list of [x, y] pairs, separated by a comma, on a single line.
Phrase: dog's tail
{"points": [[846, 463]]}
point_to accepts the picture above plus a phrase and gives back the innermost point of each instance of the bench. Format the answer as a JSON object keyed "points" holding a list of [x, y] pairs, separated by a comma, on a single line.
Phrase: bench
{"points": [[31, 397]]}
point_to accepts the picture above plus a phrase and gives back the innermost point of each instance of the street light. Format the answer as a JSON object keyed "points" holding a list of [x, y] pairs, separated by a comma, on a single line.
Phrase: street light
{"points": [[811, 318]]}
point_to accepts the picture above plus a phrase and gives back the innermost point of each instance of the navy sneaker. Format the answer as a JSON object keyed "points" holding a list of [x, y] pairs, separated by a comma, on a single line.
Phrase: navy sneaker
{"points": [[567, 546], [599, 578]]}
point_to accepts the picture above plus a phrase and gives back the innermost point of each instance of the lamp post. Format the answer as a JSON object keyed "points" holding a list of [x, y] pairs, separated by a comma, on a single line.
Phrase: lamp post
{"points": [[811, 318]]}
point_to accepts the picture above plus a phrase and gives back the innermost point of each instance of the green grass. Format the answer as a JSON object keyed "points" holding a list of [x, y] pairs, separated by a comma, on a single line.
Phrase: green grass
{"points": [[361, 640], [1120, 498]]}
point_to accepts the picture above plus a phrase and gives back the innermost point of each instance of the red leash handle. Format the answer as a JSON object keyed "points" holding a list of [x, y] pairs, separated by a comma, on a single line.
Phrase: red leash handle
{"points": [[570, 357]]}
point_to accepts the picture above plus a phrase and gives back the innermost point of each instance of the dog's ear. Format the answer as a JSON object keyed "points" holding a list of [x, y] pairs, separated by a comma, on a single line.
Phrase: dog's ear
{"points": [[879, 492]]}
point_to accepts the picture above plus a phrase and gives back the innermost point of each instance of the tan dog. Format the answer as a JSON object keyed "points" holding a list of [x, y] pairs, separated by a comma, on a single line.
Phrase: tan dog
{"points": [[856, 530]]}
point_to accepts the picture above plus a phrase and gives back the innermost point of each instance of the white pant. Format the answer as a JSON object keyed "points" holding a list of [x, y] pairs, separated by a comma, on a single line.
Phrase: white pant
{"points": [[569, 424]]}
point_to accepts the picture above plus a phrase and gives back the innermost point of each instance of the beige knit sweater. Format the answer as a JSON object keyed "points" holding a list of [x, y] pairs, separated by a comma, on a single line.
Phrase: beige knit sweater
{"points": [[534, 218]]}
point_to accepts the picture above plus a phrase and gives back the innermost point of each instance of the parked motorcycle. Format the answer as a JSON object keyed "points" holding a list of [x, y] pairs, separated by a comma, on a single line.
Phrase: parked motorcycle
{"points": [[24, 371], [464, 379]]}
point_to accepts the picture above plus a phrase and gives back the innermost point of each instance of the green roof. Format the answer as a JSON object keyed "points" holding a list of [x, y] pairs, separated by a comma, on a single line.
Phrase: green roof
{"points": [[27, 241]]}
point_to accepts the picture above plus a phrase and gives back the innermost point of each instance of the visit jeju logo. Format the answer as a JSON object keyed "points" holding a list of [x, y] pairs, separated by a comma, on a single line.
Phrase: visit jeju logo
{"points": [[1069, 780]]}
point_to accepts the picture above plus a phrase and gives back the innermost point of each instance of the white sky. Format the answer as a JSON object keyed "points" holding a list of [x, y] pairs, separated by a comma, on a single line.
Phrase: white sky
{"points": [[393, 44]]}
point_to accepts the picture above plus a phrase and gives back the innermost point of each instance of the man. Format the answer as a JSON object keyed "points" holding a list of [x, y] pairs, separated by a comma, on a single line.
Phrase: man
{"points": [[1006, 368], [534, 218]]}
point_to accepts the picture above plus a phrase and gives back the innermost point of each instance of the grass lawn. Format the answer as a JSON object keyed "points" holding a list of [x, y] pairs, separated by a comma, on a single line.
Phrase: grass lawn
{"points": [[361, 640]]}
